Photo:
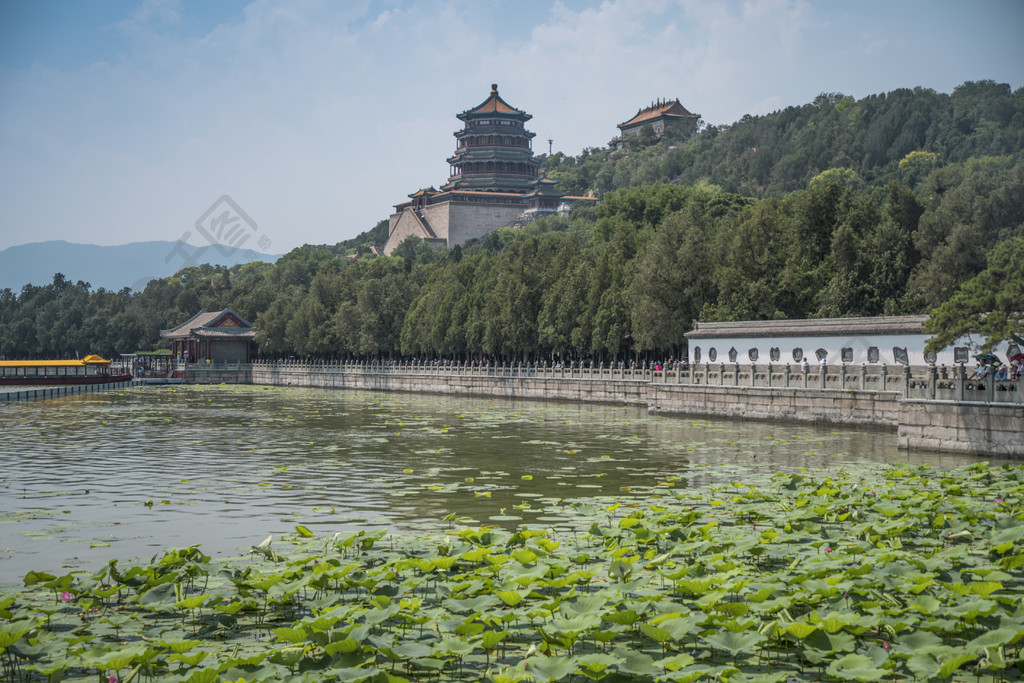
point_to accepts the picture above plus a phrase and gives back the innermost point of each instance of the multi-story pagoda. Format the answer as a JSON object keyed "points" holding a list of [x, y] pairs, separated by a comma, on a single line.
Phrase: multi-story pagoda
{"points": [[493, 183], [494, 151]]}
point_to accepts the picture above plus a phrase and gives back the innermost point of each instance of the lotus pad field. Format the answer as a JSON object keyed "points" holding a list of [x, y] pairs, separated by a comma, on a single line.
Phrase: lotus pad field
{"points": [[908, 573]]}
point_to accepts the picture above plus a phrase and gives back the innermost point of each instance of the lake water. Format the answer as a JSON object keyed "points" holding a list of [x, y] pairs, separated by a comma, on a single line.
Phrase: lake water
{"points": [[128, 473]]}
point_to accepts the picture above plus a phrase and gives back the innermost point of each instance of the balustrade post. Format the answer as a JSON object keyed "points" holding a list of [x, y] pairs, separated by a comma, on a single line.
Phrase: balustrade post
{"points": [[906, 381], [961, 382], [990, 387], [884, 377], [842, 376], [753, 374], [863, 377], [933, 380]]}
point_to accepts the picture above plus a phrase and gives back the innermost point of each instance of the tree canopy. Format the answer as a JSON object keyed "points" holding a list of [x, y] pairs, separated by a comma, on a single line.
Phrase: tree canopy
{"points": [[867, 223], [990, 304]]}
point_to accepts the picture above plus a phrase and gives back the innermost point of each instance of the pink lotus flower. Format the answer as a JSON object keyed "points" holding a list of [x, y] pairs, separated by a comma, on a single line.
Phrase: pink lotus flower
{"points": [[827, 549], [66, 597], [111, 678], [885, 645]]}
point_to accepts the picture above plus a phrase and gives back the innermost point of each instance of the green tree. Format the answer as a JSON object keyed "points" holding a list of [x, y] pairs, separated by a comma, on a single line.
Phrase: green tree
{"points": [[672, 282], [990, 304]]}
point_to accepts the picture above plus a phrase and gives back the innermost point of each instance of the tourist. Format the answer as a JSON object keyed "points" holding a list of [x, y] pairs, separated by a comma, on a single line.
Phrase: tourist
{"points": [[981, 371], [805, 367]]}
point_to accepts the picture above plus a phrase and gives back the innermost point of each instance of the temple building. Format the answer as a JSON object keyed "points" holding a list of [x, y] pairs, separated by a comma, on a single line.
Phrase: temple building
{"points": [[217, 337], [662, 116], [493, 182]]}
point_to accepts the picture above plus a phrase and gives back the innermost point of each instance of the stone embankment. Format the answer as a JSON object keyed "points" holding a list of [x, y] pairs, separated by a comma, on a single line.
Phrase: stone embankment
{"points": [[929, 408]]}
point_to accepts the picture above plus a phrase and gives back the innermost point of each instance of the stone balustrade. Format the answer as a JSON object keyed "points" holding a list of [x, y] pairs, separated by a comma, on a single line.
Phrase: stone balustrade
{"points": [[911, 382]]}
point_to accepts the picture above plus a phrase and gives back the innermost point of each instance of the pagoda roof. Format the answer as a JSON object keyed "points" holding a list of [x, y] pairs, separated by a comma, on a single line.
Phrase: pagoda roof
{"points": [[494, 105], [543, 186], [657, 110], [210, 325], [490, 193], [448, 191], [493, 155]]}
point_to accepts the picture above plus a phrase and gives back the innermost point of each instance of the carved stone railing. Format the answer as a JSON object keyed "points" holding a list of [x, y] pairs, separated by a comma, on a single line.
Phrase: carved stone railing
{"points": [[912, 382]]}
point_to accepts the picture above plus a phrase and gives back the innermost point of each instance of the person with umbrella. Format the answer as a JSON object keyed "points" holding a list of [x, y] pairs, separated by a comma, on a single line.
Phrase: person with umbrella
{"points": [[986, 361], [982, 370]]}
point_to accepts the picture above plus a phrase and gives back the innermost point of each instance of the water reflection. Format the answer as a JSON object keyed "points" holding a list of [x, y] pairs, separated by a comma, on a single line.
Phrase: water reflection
{"points": [[126, 474]]}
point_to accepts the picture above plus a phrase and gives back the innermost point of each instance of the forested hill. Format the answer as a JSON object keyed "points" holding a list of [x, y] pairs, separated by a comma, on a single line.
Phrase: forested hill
{"points": [[901, 135], [893, 204]]}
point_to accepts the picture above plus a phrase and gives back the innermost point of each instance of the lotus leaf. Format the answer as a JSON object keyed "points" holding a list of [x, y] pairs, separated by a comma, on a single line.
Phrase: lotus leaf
{"points": [[856, 667]]}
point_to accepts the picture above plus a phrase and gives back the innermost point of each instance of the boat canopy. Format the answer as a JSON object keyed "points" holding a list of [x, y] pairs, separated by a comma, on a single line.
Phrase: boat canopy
{"points": [[88, 360]]}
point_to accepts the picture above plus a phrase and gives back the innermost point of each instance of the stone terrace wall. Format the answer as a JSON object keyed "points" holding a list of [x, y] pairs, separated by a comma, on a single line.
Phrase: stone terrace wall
{"points": [[227, 373], [630, 392], [994, 429], [853, 408]]}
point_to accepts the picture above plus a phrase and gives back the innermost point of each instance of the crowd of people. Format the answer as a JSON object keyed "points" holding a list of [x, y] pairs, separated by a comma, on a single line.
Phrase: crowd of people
{"points": [[989, 365]]}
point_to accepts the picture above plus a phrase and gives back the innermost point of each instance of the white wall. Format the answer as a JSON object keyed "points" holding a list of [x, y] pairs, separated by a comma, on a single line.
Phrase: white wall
{"points": [[913, 343]]}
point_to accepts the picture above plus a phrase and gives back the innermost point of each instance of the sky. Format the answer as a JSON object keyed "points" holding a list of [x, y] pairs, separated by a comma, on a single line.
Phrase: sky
{"points": [[126, 121]]}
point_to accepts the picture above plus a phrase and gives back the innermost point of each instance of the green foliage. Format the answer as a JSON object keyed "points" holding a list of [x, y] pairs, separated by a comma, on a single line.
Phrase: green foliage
{"points": [[990, 304], [780, 152], [884, 205], [842, 577]]}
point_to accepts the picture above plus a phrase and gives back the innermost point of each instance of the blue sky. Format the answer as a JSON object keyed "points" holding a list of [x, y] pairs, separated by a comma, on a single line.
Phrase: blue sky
{"points": [[124, 121]]}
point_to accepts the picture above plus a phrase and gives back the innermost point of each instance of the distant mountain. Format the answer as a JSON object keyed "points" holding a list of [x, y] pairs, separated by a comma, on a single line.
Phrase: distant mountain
{"points": [[126, 265]]}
